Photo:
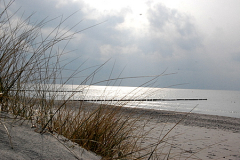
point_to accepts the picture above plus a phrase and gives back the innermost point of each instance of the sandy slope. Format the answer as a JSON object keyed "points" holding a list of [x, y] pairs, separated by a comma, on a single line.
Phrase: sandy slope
{"points": [[28, 144]]}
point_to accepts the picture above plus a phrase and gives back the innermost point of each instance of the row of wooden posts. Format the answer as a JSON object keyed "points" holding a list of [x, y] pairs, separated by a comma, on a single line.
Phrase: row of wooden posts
{"points": [[191, 99]]}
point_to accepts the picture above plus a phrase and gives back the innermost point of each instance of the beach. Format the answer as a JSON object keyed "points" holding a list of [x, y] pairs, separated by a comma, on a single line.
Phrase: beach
{"points": [[196, 136]]}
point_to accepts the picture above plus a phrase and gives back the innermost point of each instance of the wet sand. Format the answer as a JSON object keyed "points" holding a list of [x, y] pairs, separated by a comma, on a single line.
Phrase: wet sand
{"points": [[189, 119]]}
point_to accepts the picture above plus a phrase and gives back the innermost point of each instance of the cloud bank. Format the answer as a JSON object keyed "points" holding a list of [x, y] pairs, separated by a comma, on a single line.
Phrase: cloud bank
{"points": [[147, 41]]}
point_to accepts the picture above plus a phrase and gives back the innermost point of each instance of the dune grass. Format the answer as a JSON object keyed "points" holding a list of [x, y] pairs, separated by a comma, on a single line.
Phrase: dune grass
{"points": [[31, 67], [103, 130]]}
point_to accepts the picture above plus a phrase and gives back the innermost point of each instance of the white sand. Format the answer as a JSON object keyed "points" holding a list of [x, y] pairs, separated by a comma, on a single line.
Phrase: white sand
{"points": [[191, 142], [196, 137], [28, 144]]}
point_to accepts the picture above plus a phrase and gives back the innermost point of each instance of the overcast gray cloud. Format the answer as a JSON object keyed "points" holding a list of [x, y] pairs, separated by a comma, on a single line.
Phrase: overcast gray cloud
{"points": [[165, 20], [149, 40]]}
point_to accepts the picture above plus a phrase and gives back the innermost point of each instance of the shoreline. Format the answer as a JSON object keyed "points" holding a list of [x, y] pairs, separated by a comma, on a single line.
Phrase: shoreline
{"points": [[189, 119], [192, 119]]}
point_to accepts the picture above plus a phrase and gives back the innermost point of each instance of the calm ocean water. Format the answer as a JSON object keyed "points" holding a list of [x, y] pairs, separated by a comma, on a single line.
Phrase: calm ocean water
{"points": [[219, 102]]}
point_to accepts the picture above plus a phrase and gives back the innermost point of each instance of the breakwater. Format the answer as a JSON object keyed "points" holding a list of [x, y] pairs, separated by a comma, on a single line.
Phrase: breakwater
{"points": [[180, 99]]}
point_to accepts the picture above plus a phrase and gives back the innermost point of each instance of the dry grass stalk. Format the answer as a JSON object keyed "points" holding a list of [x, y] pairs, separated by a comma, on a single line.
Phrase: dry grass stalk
{"points": [[105, 130]]}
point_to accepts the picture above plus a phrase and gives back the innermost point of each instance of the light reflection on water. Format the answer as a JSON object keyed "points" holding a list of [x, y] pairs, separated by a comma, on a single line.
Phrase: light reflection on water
{"points": [[219, 102]]}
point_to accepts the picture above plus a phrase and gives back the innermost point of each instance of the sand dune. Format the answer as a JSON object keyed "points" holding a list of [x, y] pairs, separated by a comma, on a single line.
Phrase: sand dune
{"points": [[28, 144]]}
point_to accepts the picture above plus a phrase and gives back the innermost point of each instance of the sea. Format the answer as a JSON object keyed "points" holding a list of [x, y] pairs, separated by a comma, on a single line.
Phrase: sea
{"points": [[211, 102]]}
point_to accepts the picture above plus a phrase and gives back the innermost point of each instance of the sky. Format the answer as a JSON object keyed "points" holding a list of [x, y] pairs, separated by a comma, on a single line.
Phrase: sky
{"points": [[198, 40]]}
